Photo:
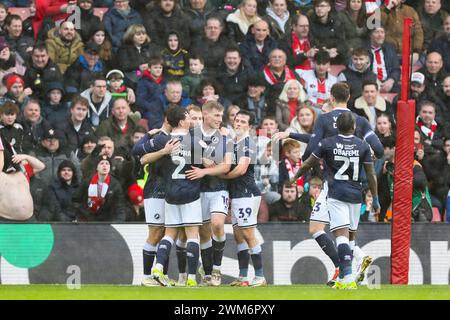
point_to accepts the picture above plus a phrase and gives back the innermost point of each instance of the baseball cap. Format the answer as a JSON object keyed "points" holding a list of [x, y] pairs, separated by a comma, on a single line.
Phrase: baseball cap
{"points": [[418, 77], [50, 134], [92, 47]]}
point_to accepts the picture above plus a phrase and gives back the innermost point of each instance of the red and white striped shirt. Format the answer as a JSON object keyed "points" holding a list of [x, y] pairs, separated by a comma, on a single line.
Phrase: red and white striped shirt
{"points": [[379, 65], [318, 90]]}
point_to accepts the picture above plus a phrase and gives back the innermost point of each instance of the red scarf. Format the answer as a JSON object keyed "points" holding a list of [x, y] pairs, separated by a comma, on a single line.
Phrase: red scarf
{"points": [[293, 108], [293, 170], [321, 90], [298, 48], [147, 74], [97, 193], [427, 131], [270, 77]]}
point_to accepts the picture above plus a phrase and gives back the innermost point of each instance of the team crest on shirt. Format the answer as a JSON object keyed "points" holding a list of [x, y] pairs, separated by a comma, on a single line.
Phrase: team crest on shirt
{"points": [[214, 139], [157, 216], [312, 85]]}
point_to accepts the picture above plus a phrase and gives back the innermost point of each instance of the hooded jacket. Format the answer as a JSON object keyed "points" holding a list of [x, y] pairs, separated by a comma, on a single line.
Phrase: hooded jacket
{"points": [[355, 79], [96, 116]]}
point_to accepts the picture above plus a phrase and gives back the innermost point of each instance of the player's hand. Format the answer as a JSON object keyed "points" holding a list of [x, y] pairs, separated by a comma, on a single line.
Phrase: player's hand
{"points": [[131, 96], [18, 158], [376, 205], [170, 146], [153, 131], [224, 131], [280, 136], [208, 163], [195, 173]]}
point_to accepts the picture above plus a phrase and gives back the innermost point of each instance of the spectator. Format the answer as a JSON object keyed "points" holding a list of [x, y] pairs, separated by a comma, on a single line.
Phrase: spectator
{"points": [[115, 80], [54, 108], [151, 85], [99, 99], [432, 17], [64, 45], [198, 11], [88, 20], [288, 102], [430, 131], [354, 19], [303, 123], [371, 104], [47, 13], [43, 207], [81, 73], [266, 175], [41, 70], [288, 207], [278, 18], [192, 78], [173, 94], [3, 15], [165, 17], [318, 82], [392, 16], [62, 190], [441, 44], [384, 127], [290, 163], [257, 45], [356, 73], [328, 32], [256, 102], [16, 92], [367, 212], [100, 37], [176, 58], [298, 45], [34, 126], [240, 21], [120, 126], [208, 90], [276, 74], [88, 145], [76, 126], [10, 130], [19, 43], [443, 116], [234, 76], [211, 47], [118, 19], [384, 62], [434, 73], [134, 54], [100, 197], [268, 127], [229, 118], [9, 63]]}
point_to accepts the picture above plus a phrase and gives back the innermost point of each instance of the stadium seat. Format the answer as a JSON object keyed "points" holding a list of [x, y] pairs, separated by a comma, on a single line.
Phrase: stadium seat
{"points": [[143, 123], [24, 13], [335, 69], [388, 96], [436, 215], [99, 12]]}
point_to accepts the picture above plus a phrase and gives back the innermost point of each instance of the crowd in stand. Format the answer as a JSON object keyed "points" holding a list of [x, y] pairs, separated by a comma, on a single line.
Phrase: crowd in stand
{"points": [[78, 91]]}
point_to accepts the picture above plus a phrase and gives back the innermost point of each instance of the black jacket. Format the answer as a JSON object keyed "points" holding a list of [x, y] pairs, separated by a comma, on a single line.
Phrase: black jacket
{"points": [[37, 78], [235, 86], [212, 52], [33, 134], [112, 210], [390, 60], [128, 57], [14, 135], [20, 45], [44, 209], [78, 76], [198, 20], [251, 54], [72, 137], [89, 21]]}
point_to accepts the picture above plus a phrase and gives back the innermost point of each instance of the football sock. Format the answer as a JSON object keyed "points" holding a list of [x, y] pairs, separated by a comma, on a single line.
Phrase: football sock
{"points": [[162, 255], [345, 257], [218, 246], [166, 265], [192, 253], [148, 255], [207, 252], [255, 254], [327, 245], [181, 256], [243, 259]]}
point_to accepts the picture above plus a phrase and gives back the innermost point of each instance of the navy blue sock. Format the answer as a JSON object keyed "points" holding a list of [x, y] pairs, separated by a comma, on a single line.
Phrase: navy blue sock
{"points": [[218, 252], [166, 265], [192, 253], [243, 260], [148, 258], [327, 245], [163, 251], [207, 259], [345, 259], [257, 261], [181, 258]]}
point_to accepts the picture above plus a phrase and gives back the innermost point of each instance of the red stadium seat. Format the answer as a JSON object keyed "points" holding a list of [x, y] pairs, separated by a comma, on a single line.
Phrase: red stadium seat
{"points": [[24, 13], [143, 123], [99, 12], [335, 69], [436, 215], [388, 96]]}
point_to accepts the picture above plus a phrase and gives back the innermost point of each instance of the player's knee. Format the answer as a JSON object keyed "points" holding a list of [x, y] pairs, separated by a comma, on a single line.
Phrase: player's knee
{"points": [[315, 227]]}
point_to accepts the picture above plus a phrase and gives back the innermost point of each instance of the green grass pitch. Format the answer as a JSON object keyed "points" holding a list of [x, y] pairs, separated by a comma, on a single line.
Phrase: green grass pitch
{"points": [[293, 292]]}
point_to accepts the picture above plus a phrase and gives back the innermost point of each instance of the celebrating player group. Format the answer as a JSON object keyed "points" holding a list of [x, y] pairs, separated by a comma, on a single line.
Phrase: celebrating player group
{"points": [[197, 172]]}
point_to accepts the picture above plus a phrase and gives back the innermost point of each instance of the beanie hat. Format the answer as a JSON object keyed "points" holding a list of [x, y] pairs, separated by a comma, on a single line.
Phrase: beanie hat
{"points": [[101, 158], [12, 79], [135, 194]]}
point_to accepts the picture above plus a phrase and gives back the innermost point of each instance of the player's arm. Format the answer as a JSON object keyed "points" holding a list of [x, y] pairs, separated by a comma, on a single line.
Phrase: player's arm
{"points": [[316, 137], [155, 156], [239, 170], [309, 163], [35, 163], [372, 139], [302, 137], [372, 180], [216, 170]]}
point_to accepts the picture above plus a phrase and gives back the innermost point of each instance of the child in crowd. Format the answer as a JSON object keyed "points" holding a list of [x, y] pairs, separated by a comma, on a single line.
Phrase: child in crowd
{"points": [[11, 131], [367, 212], [115, 80], [290, 164], [54, 108], [196, 74], [175, 57]]}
